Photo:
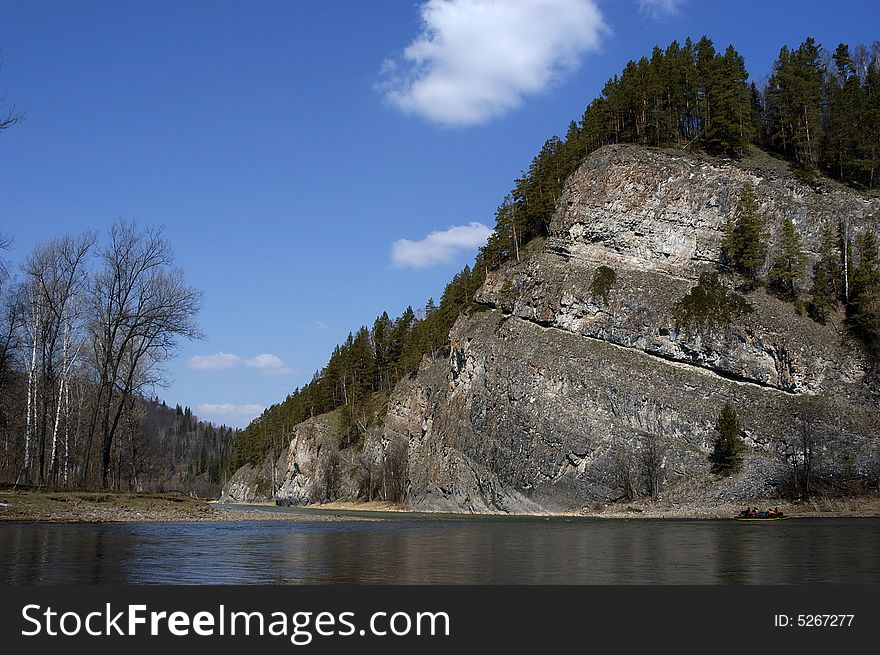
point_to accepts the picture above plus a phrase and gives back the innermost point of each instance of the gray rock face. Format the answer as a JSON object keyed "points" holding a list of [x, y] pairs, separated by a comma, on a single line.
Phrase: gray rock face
{"points": [[773, 346], [241, 487], [551, 395], [540, 419], [315, 470], [443, 473], [665, 211], [553, 400], [304, 459], [249, 484]]}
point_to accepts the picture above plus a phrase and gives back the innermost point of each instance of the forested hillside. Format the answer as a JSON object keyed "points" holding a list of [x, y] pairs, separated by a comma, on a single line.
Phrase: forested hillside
{"points": [[818, 111], [172, 450]]}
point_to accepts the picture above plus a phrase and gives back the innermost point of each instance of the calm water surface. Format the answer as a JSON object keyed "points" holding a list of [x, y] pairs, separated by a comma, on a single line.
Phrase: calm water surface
{"points": [[414, 548]]}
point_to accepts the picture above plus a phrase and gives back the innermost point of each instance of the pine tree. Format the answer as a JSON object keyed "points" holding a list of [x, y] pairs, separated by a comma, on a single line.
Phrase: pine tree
{"points": [[756, 114], [707, 86], [381, 336], [865, 310], [867, 273], [844, 94], [871, 123], [402, 327], [789, 263], [827, 277], [727, 456], [866, 317], [731, 126], [744, 245], [794, 104]]}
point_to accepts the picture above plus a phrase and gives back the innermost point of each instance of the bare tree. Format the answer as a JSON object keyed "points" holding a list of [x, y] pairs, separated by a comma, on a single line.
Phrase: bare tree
{"points": [[141, 307], [652, 465], [78, 352], [9, 309], [10, 332], [394, 462], [5, 244], [9, 117], [364, 471], [625, 475], [810, 442]]}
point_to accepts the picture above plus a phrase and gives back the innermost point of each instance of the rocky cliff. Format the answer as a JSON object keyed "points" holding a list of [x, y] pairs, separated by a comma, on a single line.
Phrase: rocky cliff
{"points": [[553, 399]]}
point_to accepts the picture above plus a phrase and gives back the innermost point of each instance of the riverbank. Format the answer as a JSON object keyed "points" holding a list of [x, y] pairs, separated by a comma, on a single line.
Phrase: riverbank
{"points": [[361, 506], [857, 507], [109, 507], [35, 506]]}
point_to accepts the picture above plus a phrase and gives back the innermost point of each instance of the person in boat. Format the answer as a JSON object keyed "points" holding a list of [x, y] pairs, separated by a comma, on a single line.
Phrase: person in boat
{"points": [[770, 512], [753, 511]]}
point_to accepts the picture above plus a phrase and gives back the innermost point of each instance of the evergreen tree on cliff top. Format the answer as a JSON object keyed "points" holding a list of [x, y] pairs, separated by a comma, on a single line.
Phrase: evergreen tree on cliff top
{"points": [[845, 144], [794, 104], [727, 118]]}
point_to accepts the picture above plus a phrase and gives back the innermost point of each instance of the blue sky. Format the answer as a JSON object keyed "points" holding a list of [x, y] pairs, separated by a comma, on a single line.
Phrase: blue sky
{"points": [[286, 146]]}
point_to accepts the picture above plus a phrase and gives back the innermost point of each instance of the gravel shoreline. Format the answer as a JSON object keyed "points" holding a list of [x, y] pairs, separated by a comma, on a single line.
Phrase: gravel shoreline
{"points": [[859, 507], [17, 506], [28, 506]]}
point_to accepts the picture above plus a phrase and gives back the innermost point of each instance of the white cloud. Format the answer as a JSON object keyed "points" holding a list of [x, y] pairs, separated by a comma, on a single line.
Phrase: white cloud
{"points": [[439, 247], [228, 413], [321, 325], [228, 409], [475, 59], [218, 362], [266, 363], [658, 9]]}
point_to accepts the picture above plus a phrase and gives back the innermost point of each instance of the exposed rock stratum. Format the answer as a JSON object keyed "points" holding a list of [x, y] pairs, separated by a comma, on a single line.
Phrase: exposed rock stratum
{"points": [[548, 393]]}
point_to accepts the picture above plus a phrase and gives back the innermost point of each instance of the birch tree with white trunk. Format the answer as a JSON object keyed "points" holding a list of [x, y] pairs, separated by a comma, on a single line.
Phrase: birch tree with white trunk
{"points": [[57, 274]]}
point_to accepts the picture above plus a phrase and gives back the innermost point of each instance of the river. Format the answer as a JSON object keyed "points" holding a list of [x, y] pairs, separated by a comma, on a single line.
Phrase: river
{"points": [[414, 548]]}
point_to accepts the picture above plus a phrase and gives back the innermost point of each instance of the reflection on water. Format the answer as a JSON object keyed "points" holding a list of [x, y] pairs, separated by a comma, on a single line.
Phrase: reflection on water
{"points": [[417, 549]]}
